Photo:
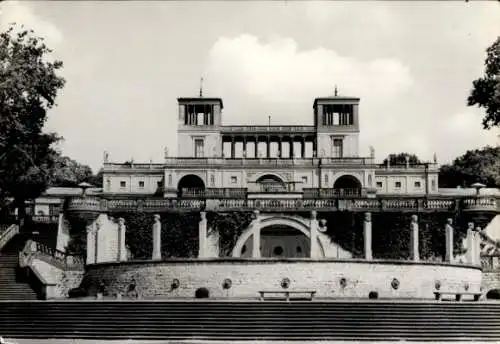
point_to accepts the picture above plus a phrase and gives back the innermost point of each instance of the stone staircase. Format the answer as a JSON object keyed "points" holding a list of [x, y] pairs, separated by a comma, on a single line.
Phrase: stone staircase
{"points": [[10, 287], [251, 320]]}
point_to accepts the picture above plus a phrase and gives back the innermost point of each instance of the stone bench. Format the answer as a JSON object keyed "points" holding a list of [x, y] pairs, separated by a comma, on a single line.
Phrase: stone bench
{"points": [[458, 295], [289, 294]]}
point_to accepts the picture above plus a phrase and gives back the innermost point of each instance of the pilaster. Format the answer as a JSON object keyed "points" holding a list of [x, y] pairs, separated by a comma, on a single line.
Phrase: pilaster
{"points": [[157, 238], [91, 244], [314, 235], [256, 235], [122, 248], [202, 235], [367, 230], [470, 244], [415, 256], [449, 241]]}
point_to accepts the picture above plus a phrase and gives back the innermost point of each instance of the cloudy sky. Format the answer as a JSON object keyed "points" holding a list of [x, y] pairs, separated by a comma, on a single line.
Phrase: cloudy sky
{"points": [[412, 63]]}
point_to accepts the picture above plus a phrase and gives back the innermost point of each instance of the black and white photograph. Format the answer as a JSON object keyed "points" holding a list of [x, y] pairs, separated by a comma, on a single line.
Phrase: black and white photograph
{"points": [[249, 172]]}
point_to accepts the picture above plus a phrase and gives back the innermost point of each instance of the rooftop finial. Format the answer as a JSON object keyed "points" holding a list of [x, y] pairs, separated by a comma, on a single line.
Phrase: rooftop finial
{"points": [[336, 91], [201, 87], [269, 120]]}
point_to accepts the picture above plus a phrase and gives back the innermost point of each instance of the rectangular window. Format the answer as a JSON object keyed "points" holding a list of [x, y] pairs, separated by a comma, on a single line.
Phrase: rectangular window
{"points": [[337, 148], [234, 180], [379, 184], [199, 148], [141, 184], [398, 185], [418, 184], [123, 184], [304, 179]]}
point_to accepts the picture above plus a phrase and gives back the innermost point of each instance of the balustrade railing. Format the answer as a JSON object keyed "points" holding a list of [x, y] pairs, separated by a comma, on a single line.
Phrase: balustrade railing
{"points": [[330, 199], [8, 233], [480, 203], [34, 249], [45, 218], [490, 262], [331, 193], [84, 203], [292, 129]]}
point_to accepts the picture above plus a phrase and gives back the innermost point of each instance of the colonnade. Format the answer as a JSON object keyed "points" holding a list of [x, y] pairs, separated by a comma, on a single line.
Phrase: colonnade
{"points": [[95, 251], [268, 139]]}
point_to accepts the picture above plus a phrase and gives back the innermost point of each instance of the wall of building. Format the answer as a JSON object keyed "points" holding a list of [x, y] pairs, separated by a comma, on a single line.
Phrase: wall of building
{"points": [[385, 182], [350, 144], [154, 279], [212, 143], [112, 182]]}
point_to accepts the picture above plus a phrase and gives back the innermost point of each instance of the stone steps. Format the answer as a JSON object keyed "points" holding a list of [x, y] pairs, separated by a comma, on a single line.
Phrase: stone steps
{"points": [[223, 320], [10, 288]]}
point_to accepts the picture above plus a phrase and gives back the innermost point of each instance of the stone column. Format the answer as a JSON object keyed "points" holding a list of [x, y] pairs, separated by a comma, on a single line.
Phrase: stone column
{"points": [[291, 148], [367, 229], [122, 248], [314, 235], [157, 238], [202, 235], [97, 246], [470, 244], [91, 244], [477, 246], [256, 235], [415, 256], [449, 241]]}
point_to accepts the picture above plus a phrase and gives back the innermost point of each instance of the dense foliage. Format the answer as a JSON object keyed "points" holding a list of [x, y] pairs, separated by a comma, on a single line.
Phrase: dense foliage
{"points": [[478, 165], [78, 235], [229, 227], [391, 234], [485, 91], [67, 172], [29, 85], [400, 159], [179, 234]]}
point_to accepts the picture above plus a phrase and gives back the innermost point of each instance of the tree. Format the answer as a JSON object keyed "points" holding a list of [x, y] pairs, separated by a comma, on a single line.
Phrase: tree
{"points": [[69, 173], [479, 165], [485, 91], [400, 159], [96, 179], [28, 89]]}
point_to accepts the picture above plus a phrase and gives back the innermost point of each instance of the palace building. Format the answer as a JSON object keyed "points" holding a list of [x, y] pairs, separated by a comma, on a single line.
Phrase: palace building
{"points": [[269, 161], [250, 216], [261, 207]]}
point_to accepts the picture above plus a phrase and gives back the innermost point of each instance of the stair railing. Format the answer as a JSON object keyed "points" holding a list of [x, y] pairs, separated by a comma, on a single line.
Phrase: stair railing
{"points": [[7, 234], [64, 261]]}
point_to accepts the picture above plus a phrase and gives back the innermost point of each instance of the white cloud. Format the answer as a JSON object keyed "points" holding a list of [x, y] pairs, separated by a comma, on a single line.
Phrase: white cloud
{"points": [[22, 14], [278, 71]]}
